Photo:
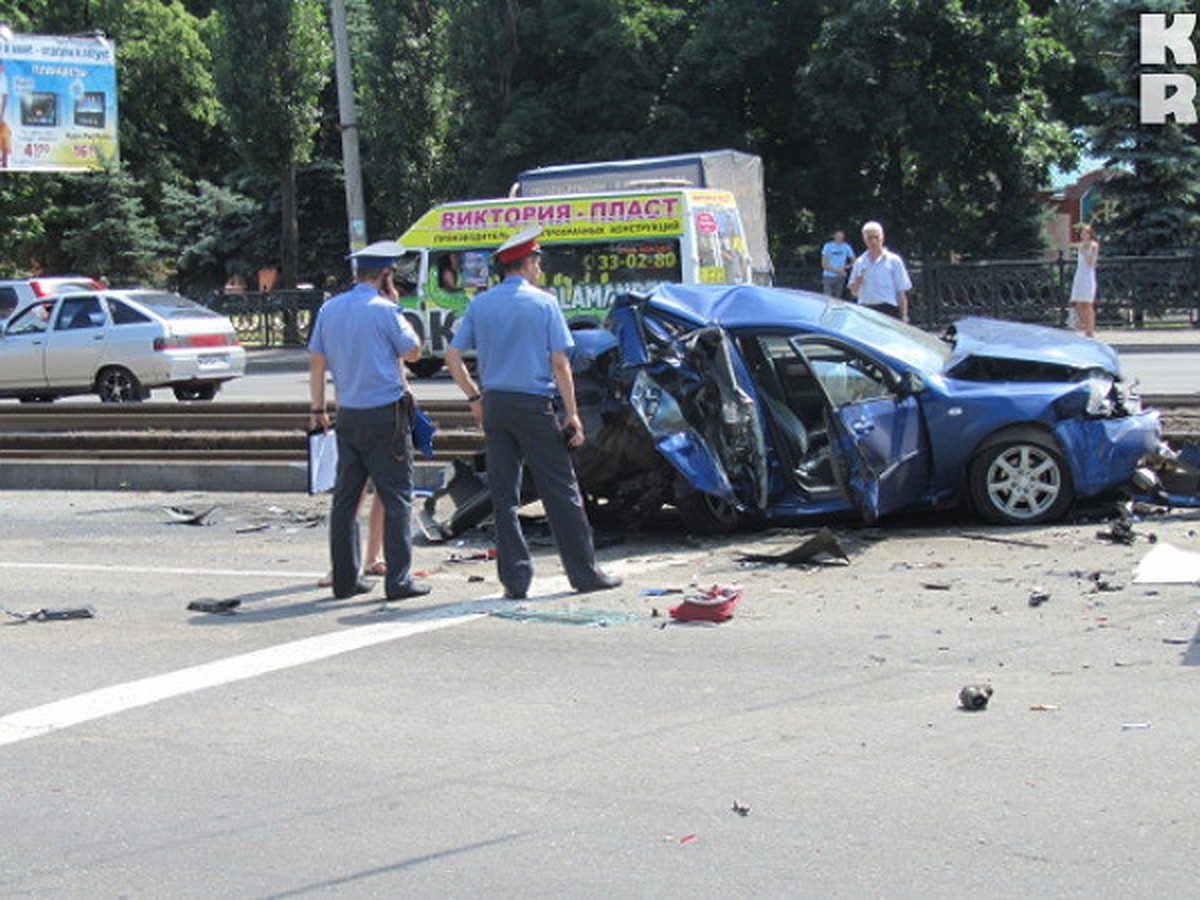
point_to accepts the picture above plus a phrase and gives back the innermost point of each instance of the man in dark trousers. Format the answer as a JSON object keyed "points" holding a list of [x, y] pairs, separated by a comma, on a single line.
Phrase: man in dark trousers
{"points": [[361, 338], [521, 342]]}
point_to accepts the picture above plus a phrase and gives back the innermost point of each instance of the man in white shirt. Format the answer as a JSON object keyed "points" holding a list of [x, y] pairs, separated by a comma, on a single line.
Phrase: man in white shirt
{"points": [[879, 278]]}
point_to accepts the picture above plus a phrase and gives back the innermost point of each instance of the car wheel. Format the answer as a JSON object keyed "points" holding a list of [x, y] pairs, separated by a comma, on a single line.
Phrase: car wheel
{"points": [[426, 367], [705, 514], [1020, 481], [204, 391], [118, 385]]}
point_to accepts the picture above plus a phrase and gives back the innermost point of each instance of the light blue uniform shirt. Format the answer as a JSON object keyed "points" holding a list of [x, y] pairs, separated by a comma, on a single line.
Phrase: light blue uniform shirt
{"points": [[513, 328], [883, 279], [363, 335]]}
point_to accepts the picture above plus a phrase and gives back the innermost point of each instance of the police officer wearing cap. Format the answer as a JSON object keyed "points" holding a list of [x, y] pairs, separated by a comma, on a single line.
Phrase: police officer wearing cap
{"points": [[361, 338], [521, 341]]}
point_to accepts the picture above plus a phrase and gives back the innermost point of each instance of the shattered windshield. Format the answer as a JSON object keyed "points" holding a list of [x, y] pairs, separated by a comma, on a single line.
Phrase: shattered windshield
{"points": [[904, 342]]}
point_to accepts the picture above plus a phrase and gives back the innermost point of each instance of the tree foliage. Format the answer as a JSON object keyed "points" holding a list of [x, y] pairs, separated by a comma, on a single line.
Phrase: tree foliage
{"points": [[941, 118]]}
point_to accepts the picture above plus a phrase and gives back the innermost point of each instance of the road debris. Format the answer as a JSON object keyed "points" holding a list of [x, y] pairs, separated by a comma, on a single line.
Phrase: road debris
{"points": [[975, 697], [601, 618], [1167, 564], [217, 607], [741, 809], [1135, 726], [1038, 596], [714, 605], [54, 614], [1016, 542], [822, 548], [1120, 532], [1043, 707], [181, 515]]}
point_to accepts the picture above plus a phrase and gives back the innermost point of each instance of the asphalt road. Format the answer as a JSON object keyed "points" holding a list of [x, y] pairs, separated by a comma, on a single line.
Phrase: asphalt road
{"points": [[582, 746]]}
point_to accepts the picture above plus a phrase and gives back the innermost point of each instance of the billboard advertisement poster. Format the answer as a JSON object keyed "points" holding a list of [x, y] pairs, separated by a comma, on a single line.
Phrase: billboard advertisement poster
{"points": [[58, 103]]}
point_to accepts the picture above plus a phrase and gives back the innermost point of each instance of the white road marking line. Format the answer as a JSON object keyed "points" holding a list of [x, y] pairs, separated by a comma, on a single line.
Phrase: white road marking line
{"points": [[156, 570], [60, 714], [40, 720]]}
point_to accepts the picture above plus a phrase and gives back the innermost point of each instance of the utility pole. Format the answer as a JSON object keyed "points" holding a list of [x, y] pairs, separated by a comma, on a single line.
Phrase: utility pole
{"points": [[347, 113]]}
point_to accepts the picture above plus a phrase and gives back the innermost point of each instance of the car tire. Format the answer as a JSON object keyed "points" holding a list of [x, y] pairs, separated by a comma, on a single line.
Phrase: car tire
{"points": [[1020, 480], [426, 367], [118, 385], [203, 391], [705, 514]]}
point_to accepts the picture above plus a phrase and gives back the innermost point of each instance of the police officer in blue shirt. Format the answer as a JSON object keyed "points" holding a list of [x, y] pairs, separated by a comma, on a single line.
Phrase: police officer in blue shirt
{"points": [[361, 338], [521, 340]]}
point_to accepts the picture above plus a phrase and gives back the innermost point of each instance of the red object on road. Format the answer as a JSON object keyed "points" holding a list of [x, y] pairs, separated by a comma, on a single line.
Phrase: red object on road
{"points": [[714, 605]]}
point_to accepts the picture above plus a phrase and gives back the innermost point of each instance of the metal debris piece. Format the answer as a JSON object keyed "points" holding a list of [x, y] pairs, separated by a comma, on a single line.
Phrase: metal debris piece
{"points": [[219, 607], [740, 809], [474, 556], [1120, 532], [1038, 596], [55, 614], [184, 516], [596, 617], [821, 547], [1016, 542], [1043, 707], [975, 697]]}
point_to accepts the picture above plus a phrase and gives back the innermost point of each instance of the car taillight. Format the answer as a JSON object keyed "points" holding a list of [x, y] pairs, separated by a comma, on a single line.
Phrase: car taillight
{"points": [[208, 340], [195, 340]]}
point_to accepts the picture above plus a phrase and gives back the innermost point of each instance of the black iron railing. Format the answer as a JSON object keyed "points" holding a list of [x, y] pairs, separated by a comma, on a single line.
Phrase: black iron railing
{"points": [[1132, 290]]}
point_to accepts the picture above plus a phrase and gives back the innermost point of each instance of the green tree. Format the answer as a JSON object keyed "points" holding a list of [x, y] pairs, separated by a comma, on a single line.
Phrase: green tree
{"points": [[102, 229], [215, 229], [931, 116], [404, 109], [1156, 207], [272, 60]]}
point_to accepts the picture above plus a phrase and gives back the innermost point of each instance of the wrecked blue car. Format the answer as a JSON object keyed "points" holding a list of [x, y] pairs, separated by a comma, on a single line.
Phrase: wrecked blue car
{"points": [[742, 406], [746, 404]]}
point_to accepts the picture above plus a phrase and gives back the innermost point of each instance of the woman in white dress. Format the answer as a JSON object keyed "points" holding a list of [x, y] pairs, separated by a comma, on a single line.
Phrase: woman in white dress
{"points": [[1083, 288]]}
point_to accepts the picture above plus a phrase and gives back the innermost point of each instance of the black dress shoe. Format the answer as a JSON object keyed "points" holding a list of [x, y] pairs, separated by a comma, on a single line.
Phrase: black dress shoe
{"points": [[362, 586], [411, 589], [602, 583], [514, 595]]}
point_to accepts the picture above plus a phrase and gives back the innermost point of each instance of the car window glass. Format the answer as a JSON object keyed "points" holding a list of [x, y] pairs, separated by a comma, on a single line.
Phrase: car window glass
{"points": [[170, 305], [80, 312], [32, 320], [124, 314], [847, 377]]}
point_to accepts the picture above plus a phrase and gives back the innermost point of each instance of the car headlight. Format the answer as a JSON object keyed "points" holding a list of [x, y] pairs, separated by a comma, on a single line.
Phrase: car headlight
{"points": [[1100, 399]]}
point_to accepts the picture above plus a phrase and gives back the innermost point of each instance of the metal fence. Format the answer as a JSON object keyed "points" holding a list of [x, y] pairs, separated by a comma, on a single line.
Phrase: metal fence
{"points": [[271, 319], [1133, 291]]}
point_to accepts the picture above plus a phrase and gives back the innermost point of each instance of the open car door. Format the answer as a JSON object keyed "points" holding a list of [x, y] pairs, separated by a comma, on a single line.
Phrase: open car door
{"points": [[878, 434]]}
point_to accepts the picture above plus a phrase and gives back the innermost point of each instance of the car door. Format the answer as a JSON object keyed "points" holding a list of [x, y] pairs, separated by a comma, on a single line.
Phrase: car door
{"points": [[76, 341], [878, 433], [23, 348]]}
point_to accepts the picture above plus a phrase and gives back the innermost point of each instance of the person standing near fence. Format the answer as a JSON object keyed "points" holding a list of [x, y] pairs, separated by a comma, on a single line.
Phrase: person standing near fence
{"points": [[879, 278], [836, 258], [1083, 287]]}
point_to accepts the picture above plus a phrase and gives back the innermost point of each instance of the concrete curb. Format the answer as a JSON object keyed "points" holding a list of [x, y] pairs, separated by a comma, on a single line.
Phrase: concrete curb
{"points": [[269, 477]]}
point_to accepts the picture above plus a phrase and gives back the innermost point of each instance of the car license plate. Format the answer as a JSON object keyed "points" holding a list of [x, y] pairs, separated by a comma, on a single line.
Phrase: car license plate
{"points": [[214, 361]]}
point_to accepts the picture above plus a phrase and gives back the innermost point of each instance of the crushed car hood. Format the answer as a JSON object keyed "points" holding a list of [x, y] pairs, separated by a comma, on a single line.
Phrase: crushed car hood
{"points": [[977, 338]]}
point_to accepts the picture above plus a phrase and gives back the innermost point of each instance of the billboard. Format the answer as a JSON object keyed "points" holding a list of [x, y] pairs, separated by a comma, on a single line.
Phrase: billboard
{"points": [[58, 103]]}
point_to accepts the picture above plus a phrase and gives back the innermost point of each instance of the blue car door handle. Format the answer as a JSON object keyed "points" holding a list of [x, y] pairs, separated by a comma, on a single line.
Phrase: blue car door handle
{"points": [[863, 427]]}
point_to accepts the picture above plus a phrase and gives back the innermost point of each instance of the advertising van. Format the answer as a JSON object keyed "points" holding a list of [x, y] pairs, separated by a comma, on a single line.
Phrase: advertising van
{"points": [[594, 246]]}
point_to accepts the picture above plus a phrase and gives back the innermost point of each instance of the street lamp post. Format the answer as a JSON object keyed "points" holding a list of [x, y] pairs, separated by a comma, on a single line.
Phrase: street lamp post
{"points": [[355, 210]]}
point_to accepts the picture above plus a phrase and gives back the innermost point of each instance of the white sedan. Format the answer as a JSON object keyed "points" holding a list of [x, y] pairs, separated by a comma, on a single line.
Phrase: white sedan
{"points": [[119, 345]]}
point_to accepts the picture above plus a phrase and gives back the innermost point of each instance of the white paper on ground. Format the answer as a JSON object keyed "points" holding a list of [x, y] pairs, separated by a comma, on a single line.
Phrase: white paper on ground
{"points": [[1168, 564]]}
